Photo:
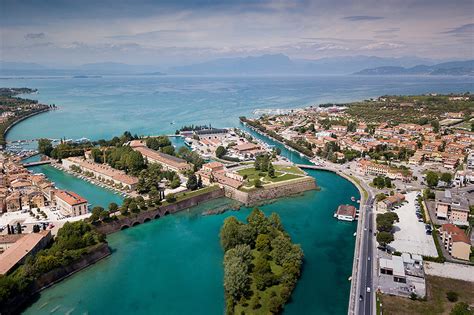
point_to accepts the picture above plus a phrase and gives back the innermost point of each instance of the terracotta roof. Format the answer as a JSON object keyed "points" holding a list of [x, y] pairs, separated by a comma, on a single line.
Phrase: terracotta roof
{"points": [[19, 250], [457, 235], [162, 157], [346, 210], [246, 146], [10, 238], [70, 197], [106, 170]]}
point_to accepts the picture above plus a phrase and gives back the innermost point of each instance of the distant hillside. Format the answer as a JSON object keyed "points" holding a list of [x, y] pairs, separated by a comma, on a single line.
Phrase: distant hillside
{"points": [[282, 64], [446, 68]]}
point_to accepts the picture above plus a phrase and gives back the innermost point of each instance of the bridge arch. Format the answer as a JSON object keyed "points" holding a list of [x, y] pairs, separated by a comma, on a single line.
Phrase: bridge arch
{"points": [[157, 216], [124, 227], [135, 223], [146, 220]]}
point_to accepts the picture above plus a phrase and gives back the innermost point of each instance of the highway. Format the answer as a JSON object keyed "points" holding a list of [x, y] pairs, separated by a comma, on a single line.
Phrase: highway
{"points": [[366, 304]]}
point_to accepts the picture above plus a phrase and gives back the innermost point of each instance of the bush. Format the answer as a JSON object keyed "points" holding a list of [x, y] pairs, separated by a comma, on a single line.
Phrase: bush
{"points": [[452, 296]]}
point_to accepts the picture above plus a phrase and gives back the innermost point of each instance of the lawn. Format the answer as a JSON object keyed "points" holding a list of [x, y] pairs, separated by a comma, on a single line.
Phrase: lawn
{"points": [[289, 169], [436, 302], [252, 174]]}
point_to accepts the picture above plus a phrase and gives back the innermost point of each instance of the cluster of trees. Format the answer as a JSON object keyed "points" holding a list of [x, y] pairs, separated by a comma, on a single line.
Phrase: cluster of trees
{"points": [[193, 128], [191, 157], [116, 141], [72, 240], [98, 213], [220, 151], [381, 182], [161, 143], [126, 159], [251, 249], [194, 182], [263, 162], [150, 178], [62, 150], [433, 178], [385, 226]]}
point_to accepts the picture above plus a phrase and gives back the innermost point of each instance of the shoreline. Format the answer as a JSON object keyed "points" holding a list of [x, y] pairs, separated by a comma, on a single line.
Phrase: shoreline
{"points": [[19, 120]]}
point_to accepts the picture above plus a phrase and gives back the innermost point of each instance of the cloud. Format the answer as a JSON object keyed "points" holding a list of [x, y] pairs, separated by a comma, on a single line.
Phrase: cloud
{"points": [[382, 46], [388, 30], [466, 30], [35, 36], [146, 35], [358, 18]]}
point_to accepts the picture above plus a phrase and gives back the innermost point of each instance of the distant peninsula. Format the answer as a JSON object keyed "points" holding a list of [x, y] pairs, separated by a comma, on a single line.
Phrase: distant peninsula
{"points": [[455, 68]]}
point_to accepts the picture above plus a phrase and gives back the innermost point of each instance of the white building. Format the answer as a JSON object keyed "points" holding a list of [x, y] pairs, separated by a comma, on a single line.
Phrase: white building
{"points": [[70, 203]]}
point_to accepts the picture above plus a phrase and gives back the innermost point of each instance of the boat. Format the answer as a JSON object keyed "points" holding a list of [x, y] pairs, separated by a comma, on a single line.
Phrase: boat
{"points": [[353, 198], [355, 233]]}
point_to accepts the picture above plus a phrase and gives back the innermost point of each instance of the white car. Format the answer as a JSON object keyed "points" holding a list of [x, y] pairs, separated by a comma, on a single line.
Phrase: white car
{"points": [[368, 289]]}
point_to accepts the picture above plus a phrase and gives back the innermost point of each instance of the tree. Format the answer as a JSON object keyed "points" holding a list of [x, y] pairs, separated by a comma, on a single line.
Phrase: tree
{"points": [[170, 198], [435, 125], [199, 183], [168, 150], [230, 233], [36, 228], [432, 179], [236, 278], [113, 207], [95, 213], [452, 296], [45, 146], [262, 272], [18, 228], [133, 207], [192, 183], [446, 177], [257, 183], [220, 151], [271, 170], [384, 238]]}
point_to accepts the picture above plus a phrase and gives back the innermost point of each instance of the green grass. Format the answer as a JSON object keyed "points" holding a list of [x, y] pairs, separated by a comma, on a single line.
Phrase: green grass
{"points": [[253, 174], [289, 169]]}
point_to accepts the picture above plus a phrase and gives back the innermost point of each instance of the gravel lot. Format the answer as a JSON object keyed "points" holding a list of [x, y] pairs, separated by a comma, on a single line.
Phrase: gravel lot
{"points": [[410, 236], [450, 270]]}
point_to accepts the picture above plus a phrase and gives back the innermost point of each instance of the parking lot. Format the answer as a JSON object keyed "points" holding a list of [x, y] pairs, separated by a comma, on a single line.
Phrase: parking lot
{"points": [[410, 235]]}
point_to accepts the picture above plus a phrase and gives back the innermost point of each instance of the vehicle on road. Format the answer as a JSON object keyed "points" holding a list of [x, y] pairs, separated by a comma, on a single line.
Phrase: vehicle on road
{"points": [[368, 289]]}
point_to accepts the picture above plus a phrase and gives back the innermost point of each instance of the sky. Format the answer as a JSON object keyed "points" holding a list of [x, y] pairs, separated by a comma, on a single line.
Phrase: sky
{"points": [[172, 32]]}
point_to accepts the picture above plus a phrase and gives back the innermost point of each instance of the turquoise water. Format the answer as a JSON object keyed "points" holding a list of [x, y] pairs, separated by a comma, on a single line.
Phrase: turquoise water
{"points": [[174, 265], [104, 107], [96, 196]]}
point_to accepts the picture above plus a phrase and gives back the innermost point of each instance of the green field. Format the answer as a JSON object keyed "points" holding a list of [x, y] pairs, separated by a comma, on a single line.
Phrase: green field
{"points": [[283, 174]]}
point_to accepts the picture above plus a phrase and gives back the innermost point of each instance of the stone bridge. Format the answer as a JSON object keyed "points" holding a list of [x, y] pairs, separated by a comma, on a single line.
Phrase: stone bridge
{"points": [[148, 215]]}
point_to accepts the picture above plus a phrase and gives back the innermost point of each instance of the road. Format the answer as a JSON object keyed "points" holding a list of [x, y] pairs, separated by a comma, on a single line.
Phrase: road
{"points": [[365, 306]]}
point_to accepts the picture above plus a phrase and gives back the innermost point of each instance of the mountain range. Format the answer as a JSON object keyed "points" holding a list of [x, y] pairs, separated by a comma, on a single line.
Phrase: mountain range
{"points": [[274, 64], [445, 68]]}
